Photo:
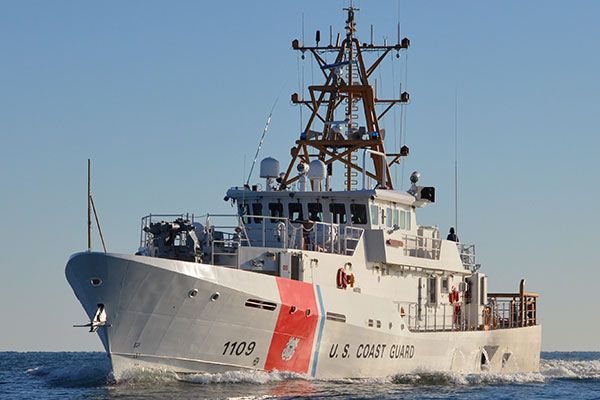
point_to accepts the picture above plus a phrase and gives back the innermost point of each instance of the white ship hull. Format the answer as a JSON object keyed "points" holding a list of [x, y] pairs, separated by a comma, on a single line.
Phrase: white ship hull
{"points": [[240, 320]]}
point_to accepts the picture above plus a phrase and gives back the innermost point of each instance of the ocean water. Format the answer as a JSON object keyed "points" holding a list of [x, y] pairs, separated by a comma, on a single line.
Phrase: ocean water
{"points": [[44, 375]]}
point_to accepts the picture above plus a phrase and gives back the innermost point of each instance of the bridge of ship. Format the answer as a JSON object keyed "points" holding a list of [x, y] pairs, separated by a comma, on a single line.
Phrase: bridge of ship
{"points": [[328, 222]]}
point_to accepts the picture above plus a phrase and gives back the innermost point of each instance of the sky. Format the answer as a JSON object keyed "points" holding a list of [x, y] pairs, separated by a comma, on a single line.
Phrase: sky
{"points": [[169, 100]]}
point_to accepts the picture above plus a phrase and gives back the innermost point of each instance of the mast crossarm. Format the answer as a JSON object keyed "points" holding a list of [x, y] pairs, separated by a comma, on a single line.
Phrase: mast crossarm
{"points": [[368, 47]]}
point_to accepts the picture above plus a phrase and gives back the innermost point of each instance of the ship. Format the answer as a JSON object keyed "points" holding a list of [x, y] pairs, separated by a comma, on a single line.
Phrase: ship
{"points": [[322, 271]]}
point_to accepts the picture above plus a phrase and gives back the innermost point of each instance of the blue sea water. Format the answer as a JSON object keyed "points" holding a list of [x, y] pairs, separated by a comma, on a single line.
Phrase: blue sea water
{"points": [[45, 375]]}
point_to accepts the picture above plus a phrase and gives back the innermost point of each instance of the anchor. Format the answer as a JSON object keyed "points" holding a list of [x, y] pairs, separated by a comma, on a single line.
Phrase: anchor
{"points": [[98, 320]]}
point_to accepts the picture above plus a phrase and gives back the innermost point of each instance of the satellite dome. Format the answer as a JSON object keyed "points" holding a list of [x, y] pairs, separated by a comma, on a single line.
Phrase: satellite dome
{"points": [[317, 169], [269, 168]]}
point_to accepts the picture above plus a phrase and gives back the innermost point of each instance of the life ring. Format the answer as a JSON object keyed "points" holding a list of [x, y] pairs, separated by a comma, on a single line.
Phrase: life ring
{"points": [[341, 280], [350, 280]]}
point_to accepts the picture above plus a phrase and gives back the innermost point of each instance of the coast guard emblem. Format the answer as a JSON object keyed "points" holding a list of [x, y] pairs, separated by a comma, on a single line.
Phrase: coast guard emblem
{"points": [[290, 349]]}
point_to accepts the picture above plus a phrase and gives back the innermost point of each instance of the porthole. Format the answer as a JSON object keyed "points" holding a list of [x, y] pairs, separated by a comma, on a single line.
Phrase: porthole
{"points": [[96, 281], [214, 296], [308, 312], [192, 293], [292, 309]]}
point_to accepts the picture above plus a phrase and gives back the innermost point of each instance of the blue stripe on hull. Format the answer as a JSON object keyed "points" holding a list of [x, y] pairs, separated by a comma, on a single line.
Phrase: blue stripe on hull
{"points": [[320, 333]]}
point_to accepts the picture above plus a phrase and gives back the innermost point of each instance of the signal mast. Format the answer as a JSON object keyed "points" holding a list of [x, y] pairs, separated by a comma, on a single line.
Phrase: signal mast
{"points": [[346, 86]]}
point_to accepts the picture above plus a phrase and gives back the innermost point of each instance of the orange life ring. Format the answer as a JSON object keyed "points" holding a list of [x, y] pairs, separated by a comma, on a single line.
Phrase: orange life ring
{"points": [[350, 280]]}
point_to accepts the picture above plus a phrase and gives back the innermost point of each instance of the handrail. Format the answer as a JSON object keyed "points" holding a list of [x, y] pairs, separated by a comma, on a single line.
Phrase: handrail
{"points": [[301, 235]]}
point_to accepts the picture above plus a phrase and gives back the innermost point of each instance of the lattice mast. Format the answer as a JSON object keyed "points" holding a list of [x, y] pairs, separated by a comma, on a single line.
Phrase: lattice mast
{"points": [[346, 85]]}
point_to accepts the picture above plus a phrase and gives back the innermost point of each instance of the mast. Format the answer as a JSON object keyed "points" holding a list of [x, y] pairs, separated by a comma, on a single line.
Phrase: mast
{"points": [[346, 88]]}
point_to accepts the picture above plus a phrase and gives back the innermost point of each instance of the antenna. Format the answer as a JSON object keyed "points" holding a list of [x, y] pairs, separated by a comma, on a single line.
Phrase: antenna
{"points": [[91, 207], [262, 139], [456, 161]]}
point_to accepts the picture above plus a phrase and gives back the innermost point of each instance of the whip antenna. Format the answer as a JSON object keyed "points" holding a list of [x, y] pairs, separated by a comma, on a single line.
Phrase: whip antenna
{"points": [[262, 139], [456, 161], [91, 207]]}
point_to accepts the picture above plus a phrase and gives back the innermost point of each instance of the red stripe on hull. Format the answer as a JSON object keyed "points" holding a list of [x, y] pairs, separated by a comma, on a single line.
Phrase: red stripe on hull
{"points": [[293, 338]]}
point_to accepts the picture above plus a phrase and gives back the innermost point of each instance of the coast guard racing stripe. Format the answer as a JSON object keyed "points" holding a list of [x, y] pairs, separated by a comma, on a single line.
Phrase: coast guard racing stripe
{"points": [[294, 333]]}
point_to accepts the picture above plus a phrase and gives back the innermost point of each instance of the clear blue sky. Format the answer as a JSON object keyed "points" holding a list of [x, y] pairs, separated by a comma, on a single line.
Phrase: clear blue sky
{"points": [[168, 98]]}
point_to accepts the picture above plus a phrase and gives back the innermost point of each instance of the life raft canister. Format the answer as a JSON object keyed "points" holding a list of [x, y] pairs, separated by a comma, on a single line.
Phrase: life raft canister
{"points": [[341, 279]]}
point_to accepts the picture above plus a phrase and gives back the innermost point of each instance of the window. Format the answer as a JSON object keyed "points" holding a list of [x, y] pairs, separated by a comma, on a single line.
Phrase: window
{"points": [[315, 212], [257, 212], [374, 214], [338, 213], [396, 218], [388, 217], [275, 210], [244, 211], [359, 213], [446, 285], [295, 212], [405, 219]]}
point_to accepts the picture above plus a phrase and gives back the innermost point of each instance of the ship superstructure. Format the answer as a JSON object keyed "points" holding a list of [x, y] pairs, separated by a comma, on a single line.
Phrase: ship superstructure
{"points": [[306, 277]]}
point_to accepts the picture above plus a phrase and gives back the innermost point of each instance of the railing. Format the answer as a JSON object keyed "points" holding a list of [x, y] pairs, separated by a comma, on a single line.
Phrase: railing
{"points": [[422, 247], [510, 310], [429, 318], [502, 311], [267, 231], [225, 233]]}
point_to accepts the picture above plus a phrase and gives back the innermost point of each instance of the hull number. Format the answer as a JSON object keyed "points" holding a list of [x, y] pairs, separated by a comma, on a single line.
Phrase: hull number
{"points": [[238, 348]]}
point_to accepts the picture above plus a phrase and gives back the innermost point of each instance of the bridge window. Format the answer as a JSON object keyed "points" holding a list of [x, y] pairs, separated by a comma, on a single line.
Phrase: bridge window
{"points": [[295, 212], [405, 220], [257, 212], [359, 213], [338, 213], [396, 218], [275, 210], [374, 214], [315, 212], [388, 217]]}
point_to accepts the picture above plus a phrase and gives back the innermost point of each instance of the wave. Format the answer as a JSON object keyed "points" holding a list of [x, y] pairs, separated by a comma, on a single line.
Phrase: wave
{"points": [[462, 379], [73, 375], [96, 374]]}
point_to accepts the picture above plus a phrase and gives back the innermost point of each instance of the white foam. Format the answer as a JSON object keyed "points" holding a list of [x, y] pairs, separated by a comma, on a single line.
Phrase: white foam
{"points": [[571, 369], [253, 376]]}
